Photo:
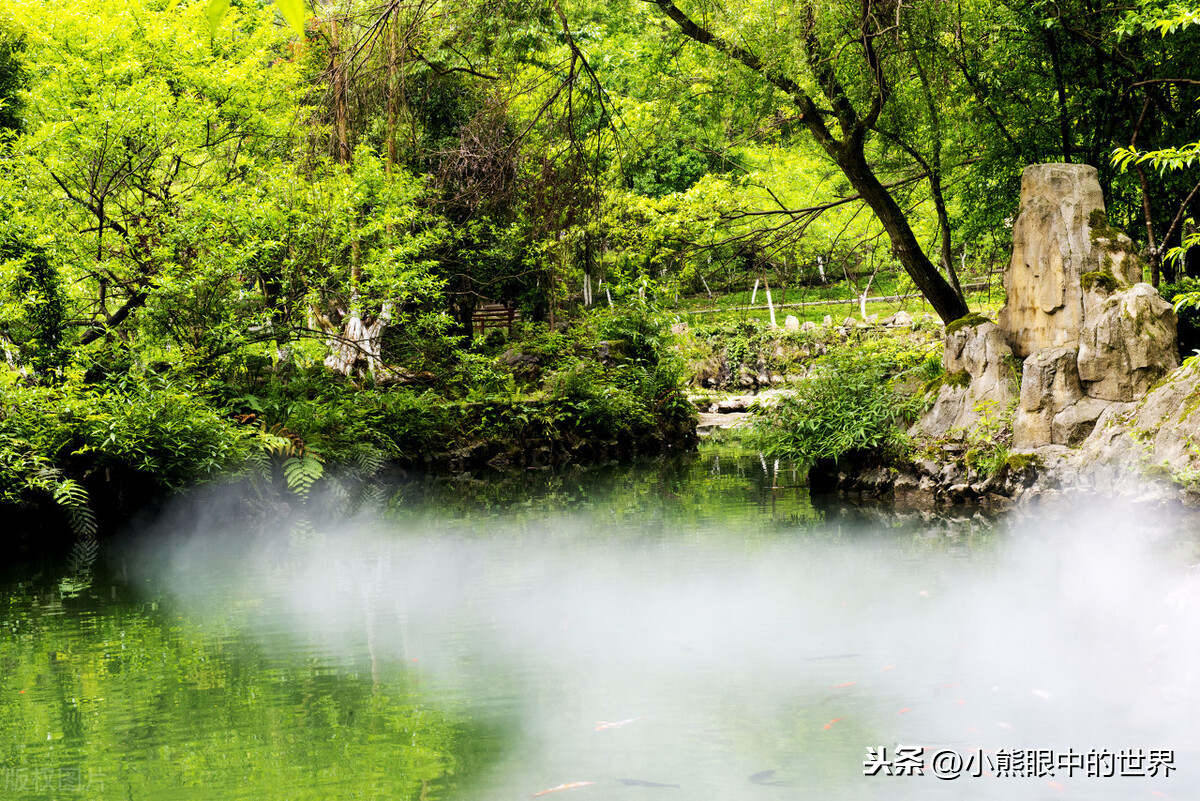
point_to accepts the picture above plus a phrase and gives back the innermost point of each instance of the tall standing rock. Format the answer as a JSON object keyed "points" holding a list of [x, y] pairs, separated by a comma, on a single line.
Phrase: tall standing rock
{"points": [[1054, 246]]}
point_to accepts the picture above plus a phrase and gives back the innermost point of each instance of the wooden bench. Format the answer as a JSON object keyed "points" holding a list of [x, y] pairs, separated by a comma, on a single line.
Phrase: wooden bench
{"points": [[494, 315]]}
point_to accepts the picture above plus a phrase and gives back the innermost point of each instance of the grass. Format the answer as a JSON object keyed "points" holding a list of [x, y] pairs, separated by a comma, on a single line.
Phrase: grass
{"points": [[734, 307]]}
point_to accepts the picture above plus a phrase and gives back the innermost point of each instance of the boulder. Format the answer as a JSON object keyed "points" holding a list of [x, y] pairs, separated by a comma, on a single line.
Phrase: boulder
{"points": [[791, 323], [1074, 424], [981, 380], [1160, 432], [1128, 344], [902, 319], [1049, 384], [808, 325]]}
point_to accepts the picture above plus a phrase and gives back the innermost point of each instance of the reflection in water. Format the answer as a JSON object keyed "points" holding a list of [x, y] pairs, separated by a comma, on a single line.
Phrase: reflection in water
{"points": [[651, 633]]}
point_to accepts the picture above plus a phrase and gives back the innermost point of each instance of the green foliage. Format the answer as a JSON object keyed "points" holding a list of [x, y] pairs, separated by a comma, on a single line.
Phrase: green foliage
{"points": [[14, 80], [301, 472], [988, 442], [847, 405], [148, 425], [34, 319], [639, 335], [1185, 296], [960, 378]]}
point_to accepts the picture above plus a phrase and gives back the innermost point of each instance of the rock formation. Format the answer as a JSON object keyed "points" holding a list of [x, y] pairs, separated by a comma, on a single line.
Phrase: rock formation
{"points": [[1090, 334], [1060, 236]]}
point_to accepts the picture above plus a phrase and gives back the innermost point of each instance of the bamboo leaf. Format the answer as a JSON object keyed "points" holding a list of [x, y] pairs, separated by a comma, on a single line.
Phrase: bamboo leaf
{"points": [[217, 9], [293, 11]]}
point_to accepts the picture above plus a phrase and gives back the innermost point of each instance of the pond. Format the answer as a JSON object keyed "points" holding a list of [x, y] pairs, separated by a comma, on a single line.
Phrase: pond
{"points": [[691, 628]]}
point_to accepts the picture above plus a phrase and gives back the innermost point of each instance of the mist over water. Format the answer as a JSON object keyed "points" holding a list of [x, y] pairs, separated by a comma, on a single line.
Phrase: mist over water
{"points": [[600, 648], [691, 630]]}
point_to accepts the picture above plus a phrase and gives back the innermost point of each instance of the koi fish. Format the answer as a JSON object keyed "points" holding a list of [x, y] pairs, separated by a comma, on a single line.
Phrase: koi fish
{"points": [[887, 667], [829, 656], [616, 724], [567, 786], [644, 783], [763, 777], [1159, 794], [829, 725], [843, 685], [906, 709], [1058, 787]]}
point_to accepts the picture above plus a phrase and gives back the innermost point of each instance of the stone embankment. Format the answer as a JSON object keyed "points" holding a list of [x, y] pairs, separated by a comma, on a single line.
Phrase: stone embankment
{"points": [[731, 411], [1076, 388]]}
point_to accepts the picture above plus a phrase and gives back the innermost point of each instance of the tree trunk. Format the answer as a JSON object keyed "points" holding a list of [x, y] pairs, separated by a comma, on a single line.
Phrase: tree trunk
{"points": [[945, 301]]}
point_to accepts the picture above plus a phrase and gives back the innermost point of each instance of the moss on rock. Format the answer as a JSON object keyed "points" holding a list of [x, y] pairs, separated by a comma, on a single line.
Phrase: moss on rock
{"points": [[1020, 462], [959, 378], [1102, 279], [972, 319]]}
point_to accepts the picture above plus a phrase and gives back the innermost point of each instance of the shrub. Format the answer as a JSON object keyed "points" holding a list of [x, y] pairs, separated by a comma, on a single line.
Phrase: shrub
{"points": [[848, 404]]}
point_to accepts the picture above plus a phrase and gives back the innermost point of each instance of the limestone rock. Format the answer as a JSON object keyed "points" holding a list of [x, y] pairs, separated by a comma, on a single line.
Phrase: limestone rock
{"points": [[808, 325], [1052, 249], [679, 328], [828, 321], [1050, 378], [902, 319], [1074, 424], [791, 323], [1128, 345], [981, 380], [1049, 384], [1160, 431]]}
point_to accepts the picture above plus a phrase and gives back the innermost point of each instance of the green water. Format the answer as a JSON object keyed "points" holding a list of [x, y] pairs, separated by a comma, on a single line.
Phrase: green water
{"points": [[697, 622]]}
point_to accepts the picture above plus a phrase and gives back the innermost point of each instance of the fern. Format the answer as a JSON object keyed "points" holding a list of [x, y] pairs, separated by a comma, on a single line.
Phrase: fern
{"points": [[369, 460], [301, 472], [74, 499], [337, 495], [278, 441], [83, 556], [259, 461], [373, 496]]}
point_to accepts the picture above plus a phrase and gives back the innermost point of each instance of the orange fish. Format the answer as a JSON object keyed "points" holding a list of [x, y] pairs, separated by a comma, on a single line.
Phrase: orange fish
{"points": [[906, 709], [888, 667], [567, 786], [829, 725], [616, 724], [1058, 787], [1159, 794], [843, 685]]}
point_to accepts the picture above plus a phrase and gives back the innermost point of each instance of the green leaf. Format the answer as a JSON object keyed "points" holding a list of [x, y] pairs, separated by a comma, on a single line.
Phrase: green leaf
{"points": [[217, 9], [293, 11]]}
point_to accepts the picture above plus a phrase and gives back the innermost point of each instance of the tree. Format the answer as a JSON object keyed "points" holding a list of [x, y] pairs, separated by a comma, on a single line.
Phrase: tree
{"points": [[1167, 92], [847, 62]]}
